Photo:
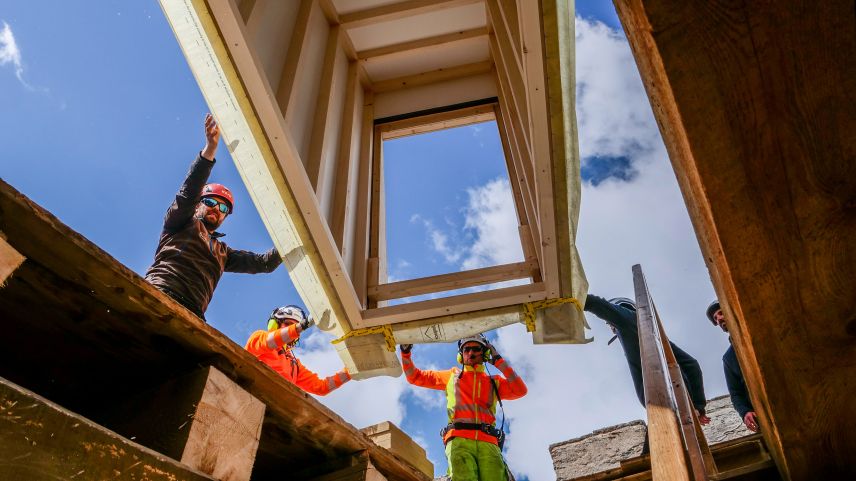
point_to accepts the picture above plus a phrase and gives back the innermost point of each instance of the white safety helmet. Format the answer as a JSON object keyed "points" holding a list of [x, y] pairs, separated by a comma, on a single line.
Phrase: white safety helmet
{"points": [[623, 302], [291, 313]]}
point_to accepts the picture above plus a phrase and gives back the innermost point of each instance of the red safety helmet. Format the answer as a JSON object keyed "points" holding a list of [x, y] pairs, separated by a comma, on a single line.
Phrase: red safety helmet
{"points": [[219, 190]]}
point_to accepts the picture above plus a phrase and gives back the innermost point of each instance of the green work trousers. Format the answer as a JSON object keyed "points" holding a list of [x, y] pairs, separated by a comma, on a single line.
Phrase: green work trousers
{"points": [[471, 460]]}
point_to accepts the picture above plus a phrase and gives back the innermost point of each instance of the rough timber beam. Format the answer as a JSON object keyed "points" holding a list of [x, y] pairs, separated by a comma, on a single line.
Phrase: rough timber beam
{"points": [[755, 103], [267, 159]]}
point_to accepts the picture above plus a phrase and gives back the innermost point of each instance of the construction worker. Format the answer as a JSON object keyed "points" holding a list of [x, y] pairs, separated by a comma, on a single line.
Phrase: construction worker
{"points": [[620, 314], [190, 257], [733, 375], [275, 347], [473, 443]]}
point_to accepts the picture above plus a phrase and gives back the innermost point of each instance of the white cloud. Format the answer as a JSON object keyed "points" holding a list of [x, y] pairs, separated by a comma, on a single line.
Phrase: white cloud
{"points": [[490, 214], [439, 240], [11, 54]]}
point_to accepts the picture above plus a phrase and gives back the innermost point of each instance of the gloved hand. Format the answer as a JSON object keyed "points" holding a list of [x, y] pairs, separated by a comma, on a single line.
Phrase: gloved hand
{"points": [[405, 348], [307, 323], [494, 356]]}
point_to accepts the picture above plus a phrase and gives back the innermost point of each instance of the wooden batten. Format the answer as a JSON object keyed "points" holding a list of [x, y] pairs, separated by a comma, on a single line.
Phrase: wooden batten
{"points": [[285, 91], [422, 43], [432, 77], [322, 129], [347, 161], [362, 225], [395, 11]]}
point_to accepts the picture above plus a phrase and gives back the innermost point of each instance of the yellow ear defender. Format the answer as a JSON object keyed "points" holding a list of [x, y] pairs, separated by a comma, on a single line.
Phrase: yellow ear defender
{"points": [[273, 325]]}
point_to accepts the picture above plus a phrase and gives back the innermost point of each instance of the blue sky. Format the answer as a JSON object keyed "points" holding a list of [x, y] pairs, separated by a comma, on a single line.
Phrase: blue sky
{"points": [[101, 118]]}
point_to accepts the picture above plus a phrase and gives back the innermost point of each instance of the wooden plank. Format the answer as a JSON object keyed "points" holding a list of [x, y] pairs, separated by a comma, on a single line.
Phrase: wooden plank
{"points": [[201, 418], [454, 280], [390, 436], [518, 179], [437, 121], [395, 11], [508, 61], [92, 300], [342, 205], [422, 43], [321, 130], [757, 136], [664, 435], [246, 8], [10, 259], [506, 296], [362, 235], [285, 91], [701, 462], [376, 272], [41, 440], [434, 76]]}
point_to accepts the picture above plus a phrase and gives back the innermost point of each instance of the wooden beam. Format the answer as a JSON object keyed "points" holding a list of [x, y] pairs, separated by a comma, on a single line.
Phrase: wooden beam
{"points": [[451, 281], [321, 125], [285, 91], [10, 259], [246, 8], [434, 76], [664, 435], [509, 63], [437, 121], [347, 160], [395, 11], [408, 47], [757, 138], [387, 435], [201, 418], [362, 234], [41, 440], [506, 296]]}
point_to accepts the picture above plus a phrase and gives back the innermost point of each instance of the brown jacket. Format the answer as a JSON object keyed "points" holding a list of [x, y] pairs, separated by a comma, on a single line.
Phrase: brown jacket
{"points": [[189, 261]]}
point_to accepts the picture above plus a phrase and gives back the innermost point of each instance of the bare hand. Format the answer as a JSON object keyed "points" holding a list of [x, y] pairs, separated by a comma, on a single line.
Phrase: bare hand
{"points": [[405, 348], [212, 137], [703, 419], [751, 421]]}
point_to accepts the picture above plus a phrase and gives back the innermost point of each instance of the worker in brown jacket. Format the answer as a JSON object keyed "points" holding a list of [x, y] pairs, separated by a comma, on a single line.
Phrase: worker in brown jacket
{"points": [[190, 257]]}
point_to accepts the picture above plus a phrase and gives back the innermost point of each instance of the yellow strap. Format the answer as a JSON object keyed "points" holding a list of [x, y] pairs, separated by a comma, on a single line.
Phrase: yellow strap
{"points": [[386, 330], [529, 309]]}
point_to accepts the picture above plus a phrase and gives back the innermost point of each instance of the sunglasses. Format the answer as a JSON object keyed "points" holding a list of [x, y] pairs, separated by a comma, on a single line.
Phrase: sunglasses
{"points": [[475, 349], [211, 202]]}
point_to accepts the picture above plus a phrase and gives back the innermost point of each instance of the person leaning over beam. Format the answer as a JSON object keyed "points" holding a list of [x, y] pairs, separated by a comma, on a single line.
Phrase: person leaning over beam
{"points": [[190, 257], [620, 314], [275, 347], [733, 374], [473, 443]]}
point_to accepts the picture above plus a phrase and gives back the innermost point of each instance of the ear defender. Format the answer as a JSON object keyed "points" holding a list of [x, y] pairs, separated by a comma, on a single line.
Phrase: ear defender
{"points": [[487, 354], [273, 325], [460, 358]]}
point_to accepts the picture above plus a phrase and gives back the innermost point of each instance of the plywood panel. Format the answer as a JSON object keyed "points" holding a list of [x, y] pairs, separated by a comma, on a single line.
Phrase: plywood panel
{"points": [[307, 82], [437, 21], [269, 29]]}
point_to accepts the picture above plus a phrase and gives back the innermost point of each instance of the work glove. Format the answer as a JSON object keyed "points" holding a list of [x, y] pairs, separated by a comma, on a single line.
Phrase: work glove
{"points": [[405, 348], [307, 323], [494, 356]]}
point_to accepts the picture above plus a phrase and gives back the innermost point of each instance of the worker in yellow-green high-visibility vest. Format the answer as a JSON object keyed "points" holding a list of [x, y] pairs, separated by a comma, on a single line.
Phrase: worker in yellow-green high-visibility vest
{"points": [[473, 442]]}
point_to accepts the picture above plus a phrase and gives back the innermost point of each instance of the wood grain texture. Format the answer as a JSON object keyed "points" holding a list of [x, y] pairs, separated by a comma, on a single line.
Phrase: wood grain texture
{"points": [[41, 440], [755, 102]]}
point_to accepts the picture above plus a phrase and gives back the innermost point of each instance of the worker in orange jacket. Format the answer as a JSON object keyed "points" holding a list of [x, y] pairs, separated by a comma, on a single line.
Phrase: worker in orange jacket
{"points": [[275, 347], [473, 443]]}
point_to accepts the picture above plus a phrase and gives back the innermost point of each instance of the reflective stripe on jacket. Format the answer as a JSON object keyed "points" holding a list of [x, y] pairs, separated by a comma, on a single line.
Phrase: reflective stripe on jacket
{"points": [[282, 360], [470, 397]]}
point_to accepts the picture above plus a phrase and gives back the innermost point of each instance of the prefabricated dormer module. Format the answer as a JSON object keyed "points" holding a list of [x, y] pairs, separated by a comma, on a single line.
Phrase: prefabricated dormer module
{"points": [[306, 91]]}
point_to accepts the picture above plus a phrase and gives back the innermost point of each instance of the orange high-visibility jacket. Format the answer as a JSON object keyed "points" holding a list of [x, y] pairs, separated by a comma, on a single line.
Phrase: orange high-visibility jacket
{"points": [[272, 349], [470, 398]]}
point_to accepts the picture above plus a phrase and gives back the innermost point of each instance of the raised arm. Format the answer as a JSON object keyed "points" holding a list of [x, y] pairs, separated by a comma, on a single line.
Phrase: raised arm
{"points": [[512, 386], [619, 317], [184, 205], [273, 340], [418, 377], [311, 383], [250, 262]]}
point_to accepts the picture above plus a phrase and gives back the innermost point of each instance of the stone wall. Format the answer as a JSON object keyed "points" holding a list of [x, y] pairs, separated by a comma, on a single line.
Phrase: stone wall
{"points": [[606, 448]]}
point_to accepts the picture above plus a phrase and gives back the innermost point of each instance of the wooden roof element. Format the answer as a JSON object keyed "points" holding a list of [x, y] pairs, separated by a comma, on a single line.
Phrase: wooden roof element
{"points": [[755, 102], [87, 333], [306, 90]]}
